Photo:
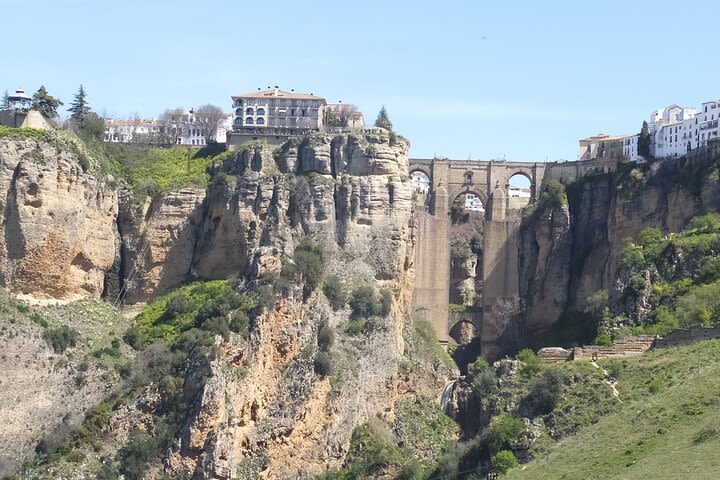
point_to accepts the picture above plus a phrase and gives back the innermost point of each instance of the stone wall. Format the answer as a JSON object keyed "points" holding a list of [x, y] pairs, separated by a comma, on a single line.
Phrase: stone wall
{"points": [[687, 336], [626, 347]]}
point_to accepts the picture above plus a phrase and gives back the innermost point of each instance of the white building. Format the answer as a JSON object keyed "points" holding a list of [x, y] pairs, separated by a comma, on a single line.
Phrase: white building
{"points": [[630, 148], [136, 129], [473, 203], [675, 130], [420, 182]]}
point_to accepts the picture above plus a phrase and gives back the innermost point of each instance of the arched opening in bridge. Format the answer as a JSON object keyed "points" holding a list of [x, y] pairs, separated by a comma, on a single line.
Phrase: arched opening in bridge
{"points": [[467, 215], [520, 186], [420, 182]]}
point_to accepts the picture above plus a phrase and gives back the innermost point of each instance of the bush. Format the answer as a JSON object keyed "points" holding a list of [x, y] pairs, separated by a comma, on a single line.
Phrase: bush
{"points": [[710, 270], [530, 362], [504, 430], [335, 292], [140, 450], [326, 336], [553, 196], [604, 340], [60, 338], [323, 364], [177, 306], [478, 366], [709, 223], [545, 392], [364, 302], [309, 259], [503, 461]]}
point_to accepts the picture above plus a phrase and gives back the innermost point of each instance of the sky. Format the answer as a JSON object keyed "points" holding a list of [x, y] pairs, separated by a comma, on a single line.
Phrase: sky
{"points": [[520, 80]]}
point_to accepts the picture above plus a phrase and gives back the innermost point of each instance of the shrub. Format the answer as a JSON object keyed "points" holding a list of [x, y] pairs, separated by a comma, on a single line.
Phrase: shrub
{"points": [[239, 322], [323, 364], [709, 223], [178, 305], [604, 340], [710, 270], [478, 366], [503, 461], [530, 362], [504, 430], [39, 319], [308, 257], [335, 292], [553, 196], [326, 336], [218, 326], [60, 338], [413, 470], [139, 451], [364, 302], [632, 256], [545, 392]]}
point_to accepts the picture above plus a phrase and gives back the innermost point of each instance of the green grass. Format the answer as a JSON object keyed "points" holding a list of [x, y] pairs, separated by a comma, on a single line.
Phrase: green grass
{"points": [[665, 428], [155, 171]]}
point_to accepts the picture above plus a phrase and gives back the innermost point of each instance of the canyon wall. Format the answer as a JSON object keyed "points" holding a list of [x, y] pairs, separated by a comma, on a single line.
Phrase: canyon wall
{"points": [[569, 253]]}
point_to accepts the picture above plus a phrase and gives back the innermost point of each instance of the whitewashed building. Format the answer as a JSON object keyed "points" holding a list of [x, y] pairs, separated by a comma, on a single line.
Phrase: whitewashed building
{"points": [[473, 203], [420, 182]]}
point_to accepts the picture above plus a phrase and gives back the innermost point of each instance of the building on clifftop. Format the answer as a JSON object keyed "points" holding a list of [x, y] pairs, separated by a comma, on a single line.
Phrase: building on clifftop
{"points": [[274, 115], [20, 114]]}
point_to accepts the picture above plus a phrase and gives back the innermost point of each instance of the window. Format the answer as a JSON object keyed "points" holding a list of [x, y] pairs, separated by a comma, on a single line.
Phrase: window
{"points": [[261, 111], [249, 111], [316, 103], [282, 122], [238, 111], [238, 121], [283, 103], [305, 103], [249, 121], [304, 112], [260, 121], [271, 121], [294, 103], [292, 112], [293, 122], [238, 103], [272, 103]]}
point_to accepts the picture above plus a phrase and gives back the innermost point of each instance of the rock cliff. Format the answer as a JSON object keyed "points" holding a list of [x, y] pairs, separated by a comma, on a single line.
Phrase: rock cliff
{"points": [[58, 233], [569, 253]]}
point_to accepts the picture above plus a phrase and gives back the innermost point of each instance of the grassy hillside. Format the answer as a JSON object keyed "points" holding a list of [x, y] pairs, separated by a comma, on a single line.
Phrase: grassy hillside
{"points": [[666, 427]]}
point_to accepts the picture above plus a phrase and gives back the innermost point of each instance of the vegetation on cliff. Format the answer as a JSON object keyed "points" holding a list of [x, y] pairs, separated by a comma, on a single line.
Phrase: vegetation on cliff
{"points": [[667, 424], [667, 281]]}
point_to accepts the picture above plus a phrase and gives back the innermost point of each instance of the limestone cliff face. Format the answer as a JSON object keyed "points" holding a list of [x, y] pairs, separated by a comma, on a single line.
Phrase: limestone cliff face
{"points": [[58, 233], [263, 407], [567, 255]]}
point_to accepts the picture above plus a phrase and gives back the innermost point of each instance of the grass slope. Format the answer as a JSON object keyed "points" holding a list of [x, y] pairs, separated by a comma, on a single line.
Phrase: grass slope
{"points": [[667, 426]]}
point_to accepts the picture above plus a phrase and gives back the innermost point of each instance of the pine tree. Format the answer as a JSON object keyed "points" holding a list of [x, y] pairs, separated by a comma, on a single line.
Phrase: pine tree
{"points": [[643, 145], [5, 100], [382, 120], [79, 108], [45, 103]]}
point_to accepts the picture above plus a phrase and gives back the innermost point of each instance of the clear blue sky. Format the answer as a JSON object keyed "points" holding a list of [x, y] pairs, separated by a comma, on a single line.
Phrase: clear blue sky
{"points": [[522, 80]]}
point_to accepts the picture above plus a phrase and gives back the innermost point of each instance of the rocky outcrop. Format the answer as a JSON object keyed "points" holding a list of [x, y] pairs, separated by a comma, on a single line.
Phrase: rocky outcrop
{"points": [[567, 255], [58, 232]]}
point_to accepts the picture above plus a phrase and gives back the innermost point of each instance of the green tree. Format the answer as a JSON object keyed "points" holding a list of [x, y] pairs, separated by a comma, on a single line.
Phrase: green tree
{"points": [[45, 103], [79, 108], [5, 100], [93, 126], [643, 145], [383, 120], [503, 461]]}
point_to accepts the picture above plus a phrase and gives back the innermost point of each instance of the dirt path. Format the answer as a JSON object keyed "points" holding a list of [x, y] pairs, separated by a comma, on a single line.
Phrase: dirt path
{"points": [[609, 380]]}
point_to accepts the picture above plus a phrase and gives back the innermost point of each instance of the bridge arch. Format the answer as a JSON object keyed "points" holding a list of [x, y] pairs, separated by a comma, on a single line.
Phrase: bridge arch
{"points": [[463, 331], [480, 193]]}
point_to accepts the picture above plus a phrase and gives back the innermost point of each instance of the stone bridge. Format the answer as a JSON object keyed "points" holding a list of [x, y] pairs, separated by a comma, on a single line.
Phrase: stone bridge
{"points": [[489, 181]]}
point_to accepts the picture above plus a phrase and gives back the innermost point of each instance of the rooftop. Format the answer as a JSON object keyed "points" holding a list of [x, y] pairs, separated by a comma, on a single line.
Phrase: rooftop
{"points": [[277, 93]]}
